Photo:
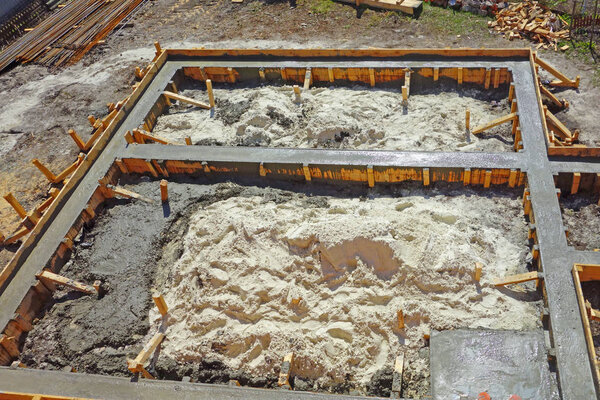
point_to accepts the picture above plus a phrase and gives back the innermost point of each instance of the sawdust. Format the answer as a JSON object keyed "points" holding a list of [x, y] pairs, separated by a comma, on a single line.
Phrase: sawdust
{"points": [[261, 276], [340, 117]]}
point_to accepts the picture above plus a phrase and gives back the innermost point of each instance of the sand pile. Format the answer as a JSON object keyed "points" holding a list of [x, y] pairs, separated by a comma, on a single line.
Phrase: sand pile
{"points": [[324, 277], [341, 117]]}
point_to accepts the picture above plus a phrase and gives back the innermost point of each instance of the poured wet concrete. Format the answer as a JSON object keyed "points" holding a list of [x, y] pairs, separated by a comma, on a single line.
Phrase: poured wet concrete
{"points": [[501, 363]]}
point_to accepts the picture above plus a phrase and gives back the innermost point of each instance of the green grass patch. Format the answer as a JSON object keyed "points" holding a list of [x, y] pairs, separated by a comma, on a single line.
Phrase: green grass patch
{"points": [[321, 6], [445, 21]]}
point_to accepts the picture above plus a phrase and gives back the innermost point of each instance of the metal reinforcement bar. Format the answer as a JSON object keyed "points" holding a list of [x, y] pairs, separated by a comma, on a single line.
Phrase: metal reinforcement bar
{"points": [[555, 258]]}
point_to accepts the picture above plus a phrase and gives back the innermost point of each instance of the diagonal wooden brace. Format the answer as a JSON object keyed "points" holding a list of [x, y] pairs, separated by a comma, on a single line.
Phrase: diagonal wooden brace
{"points": [[50, 279], [178, 97], [563, 80], [519, 278], [507, 118], [137, 365]]}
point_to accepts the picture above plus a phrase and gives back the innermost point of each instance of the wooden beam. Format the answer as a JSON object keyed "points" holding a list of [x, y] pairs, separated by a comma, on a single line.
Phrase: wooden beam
{"points": [[122, 192], [561, 129], [307, 78], [178, 97], [297, 92], [512, 178], [286, 371], [487, 179], [50, 277], [331, 77], [10, 345], [70, 169], [44, 170], [467, 176], [553, 98], [436, 74], [159, 300], [16, 236], [144, 135], [563, 80], [478, 270], [16, 205], [425, 176], [496, 122], [137, 365], [509, 280], [496, 78]]}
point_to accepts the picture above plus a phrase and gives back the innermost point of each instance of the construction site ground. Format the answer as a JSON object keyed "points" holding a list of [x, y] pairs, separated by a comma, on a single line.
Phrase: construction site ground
{"points": [[38, 106]]}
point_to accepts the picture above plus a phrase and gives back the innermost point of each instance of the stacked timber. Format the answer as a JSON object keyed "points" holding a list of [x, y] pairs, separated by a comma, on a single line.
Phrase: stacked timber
{"points": [[533, 21], [68, 34]]}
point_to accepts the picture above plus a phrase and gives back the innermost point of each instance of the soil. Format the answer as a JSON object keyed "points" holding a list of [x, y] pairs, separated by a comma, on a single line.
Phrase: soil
{"points": [[581, 217], [135, 247], [591, 293], [341, 117]]}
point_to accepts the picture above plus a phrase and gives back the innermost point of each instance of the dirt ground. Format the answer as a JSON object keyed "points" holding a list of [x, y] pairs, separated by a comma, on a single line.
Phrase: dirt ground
{"points": [[591, 292], [161, 250], [341, 117], [37, 107], [581, 217]]}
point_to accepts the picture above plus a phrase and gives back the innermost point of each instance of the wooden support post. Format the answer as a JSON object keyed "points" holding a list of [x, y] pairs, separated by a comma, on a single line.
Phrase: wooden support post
{"points": [[92, 120], [129, 137], [553, 98], [426, 176], [509, 280], [231, 75], [77, 140], [306, 172], [141, 136], [512, 178], [286, 371], [370, 176], [511, 92], [188, 141], [211, 96], [89, 210], [23, 323], [400, 320], [307, 78], [121, 165], [478, 269], [70, 169], [164, 191], [531, 232], [488, 77], [404, 95], [261, 169], [460, 75], [497, 121], [436, 74], [527, 205], [151, 168], [331, 77], [159, 300], [283, 74], [158, 49], [407, 81], [575, 183], [487, 179], [558, 192], [563, 80], [205, 167], [535, 252], [297, 92], [16, 205], [178, 97], [517, 140], [137, 365], [49, 278], [47, 173], [560, 128], [467, 176], [372, 76], [397, 377], [261, 74], [468, 120], [496, 78]]}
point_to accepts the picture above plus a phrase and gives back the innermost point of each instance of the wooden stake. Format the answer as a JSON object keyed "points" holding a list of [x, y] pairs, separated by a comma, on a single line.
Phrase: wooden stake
{"points": [[188, 141], [512, 178], [286, 371], [478, 269], [436, 74], [137, 365], [488, 76], [16, 236], [372, 76], [159, 300], [178, 97], [129, 137], [509, 280], [211, 95], [122, 192], [307, 78], [497, 121], [496, 78], [121, 165], [77, 140], [330, 72], [164, 191], [51, 279], [460, 75], [261, 169], [511, 92], [400, 319], [306, 172], [487, 179], [297, 92], [575, 184], [151, 168], [141, 136], [16, 205], [397, 377], [261, 74], [467, 176], [426, 176], [370, 176], [468, 119], [47, 173], [157, 47]]}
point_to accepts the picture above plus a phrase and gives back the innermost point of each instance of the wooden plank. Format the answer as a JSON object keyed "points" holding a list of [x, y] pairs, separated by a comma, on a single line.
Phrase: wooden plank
{"points": [[159, 300], [10, 198], [46, 275], [121, 191], [211, 95], [136, 365], [496, 122], [519, 278], [561, 129], [286, 370], [178, 97]]}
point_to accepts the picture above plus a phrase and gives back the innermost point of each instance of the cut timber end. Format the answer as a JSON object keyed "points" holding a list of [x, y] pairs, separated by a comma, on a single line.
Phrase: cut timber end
{"points": [[164, 191], [497, 121], [436, 74], [426, 176], [397, 377], [159, 300], [370, 176], [178, 97], [157, 47], [47, 276], [467, 119], [460, 75], [47, 173], [78, 141], [188, 141], [509, 280], [16, 205], [286, 371]]}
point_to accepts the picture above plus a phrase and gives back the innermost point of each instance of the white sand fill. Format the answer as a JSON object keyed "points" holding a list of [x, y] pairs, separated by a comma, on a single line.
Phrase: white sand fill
{"points": [[324, 277], [340, 117]]}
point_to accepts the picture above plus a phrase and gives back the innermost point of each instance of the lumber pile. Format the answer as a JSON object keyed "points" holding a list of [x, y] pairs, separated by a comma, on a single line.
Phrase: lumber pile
{"points": [[533, 21], [67, 35]]}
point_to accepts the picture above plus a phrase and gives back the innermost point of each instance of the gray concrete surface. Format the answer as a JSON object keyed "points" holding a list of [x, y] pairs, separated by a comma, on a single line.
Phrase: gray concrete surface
{"points": [[500, 363]]}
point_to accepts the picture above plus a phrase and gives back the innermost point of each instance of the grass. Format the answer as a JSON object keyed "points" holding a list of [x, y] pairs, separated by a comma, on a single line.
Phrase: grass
{"points": [[580, 49], [321, 6], [447, 22]]}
